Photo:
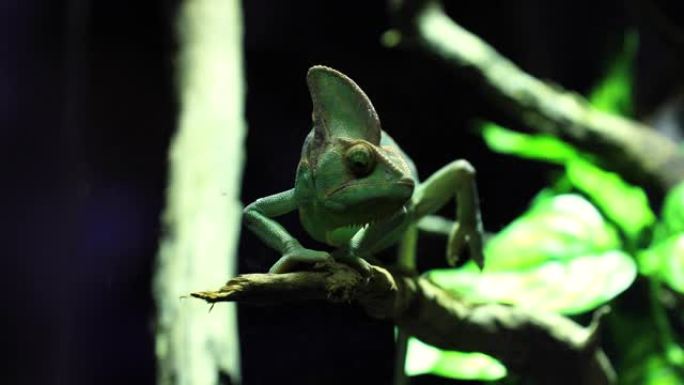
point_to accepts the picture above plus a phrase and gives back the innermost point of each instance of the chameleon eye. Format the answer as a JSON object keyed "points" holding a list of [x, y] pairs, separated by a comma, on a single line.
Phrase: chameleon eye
{"points": [[360, 159]]}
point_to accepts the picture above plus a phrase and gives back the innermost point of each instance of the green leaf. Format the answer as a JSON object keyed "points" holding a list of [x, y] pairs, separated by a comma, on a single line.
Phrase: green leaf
{"points": [[607, 190], [541, 147], [643, 353], [665, 261], [673, 212], [422, 358], [614, 92], [555, 228], [654, 370], [570, 287], [659, 372], [612, 194], [559, 256]]}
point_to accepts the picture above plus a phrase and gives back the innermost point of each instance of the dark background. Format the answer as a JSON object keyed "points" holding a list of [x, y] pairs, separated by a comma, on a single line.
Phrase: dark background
{"points": [[88, 108]]}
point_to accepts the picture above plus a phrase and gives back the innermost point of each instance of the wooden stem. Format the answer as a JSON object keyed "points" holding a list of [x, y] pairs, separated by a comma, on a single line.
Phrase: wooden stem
{"points": [[548, 347]]}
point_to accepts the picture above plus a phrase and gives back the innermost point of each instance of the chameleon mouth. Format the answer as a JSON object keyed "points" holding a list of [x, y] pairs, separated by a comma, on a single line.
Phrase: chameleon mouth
{"points": [[363, 202], [365, 223], [403, 182]]}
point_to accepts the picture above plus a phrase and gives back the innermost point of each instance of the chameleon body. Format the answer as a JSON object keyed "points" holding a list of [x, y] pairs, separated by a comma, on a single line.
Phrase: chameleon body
{"points": [[356, 190]]}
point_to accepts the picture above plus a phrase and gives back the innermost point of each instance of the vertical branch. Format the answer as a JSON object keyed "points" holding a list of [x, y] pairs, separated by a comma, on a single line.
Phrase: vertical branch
{"points": [[202, 214]]}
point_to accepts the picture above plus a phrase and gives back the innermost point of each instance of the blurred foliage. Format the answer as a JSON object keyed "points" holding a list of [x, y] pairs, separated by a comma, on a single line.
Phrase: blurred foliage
{"points": [[560, 256], [422, 358], [664, 259], [607, 190], [656, 371], [614, 92], [644, 362], [673, 214], [581, 244]]}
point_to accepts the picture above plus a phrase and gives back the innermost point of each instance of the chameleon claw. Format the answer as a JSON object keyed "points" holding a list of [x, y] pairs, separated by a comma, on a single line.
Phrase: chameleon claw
{"points": [[476, 252]]}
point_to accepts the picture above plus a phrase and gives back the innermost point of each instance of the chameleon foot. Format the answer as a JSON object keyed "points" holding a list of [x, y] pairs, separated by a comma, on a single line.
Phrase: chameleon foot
{"points": [[289, 261], [357, 263], [458, 237]]}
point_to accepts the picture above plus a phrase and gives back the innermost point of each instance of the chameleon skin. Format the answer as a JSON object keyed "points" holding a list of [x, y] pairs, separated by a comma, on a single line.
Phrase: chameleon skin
{"points": [[356, 190]]}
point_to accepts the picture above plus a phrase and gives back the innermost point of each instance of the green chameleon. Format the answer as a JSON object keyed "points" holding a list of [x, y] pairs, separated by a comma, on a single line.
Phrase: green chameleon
{"points": [[356, 190]]}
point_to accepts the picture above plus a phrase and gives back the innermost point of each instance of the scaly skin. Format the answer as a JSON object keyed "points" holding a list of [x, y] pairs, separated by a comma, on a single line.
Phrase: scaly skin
{"points": [[356, 190]]}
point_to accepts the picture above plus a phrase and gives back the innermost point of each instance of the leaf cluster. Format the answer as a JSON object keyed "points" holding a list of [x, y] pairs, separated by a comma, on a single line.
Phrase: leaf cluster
{"points": [[587, 240]]}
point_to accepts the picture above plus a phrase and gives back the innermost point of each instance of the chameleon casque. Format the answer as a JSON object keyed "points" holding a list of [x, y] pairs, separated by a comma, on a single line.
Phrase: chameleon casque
{"points": [[356, 190]]}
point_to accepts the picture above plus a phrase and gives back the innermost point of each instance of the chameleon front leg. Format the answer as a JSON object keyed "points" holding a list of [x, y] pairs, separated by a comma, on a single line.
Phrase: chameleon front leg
{"points": [[456, 178], [257, 217], [371, 239]]}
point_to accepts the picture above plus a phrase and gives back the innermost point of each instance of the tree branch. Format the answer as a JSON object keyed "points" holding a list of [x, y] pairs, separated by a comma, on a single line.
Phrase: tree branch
{"points": [[633, 150], [547, 347]]}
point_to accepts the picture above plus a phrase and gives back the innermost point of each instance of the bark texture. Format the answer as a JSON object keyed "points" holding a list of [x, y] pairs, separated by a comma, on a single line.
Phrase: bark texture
{"points": [[547, 347]]}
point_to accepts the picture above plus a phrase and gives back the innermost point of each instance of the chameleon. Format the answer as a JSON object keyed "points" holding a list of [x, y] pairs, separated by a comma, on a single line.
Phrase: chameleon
{"points": [[357, 191]]}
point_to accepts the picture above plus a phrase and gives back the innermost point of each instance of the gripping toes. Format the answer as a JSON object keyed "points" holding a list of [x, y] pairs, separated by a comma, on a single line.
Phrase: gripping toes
{"points": [[461, 235], [289, 261], [457, 177], [360, 265]]}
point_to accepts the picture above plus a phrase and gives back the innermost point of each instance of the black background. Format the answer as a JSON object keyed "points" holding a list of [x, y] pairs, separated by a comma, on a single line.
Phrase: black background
{"points": [[88, 108]]}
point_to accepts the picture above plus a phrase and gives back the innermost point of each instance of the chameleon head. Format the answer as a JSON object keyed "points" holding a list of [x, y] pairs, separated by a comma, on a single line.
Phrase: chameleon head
{"points": [[356, 179]]}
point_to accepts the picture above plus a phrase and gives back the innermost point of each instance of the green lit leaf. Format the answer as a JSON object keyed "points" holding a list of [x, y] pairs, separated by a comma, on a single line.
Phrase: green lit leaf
{"points": [[422, 358], [659, 372], [644, 353], [614, 92], [653, 370], [570, 287], [559, 256], [556, 228], [612, 194], [543, 147], [673, 212], [607, 190], [665, 261]]}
